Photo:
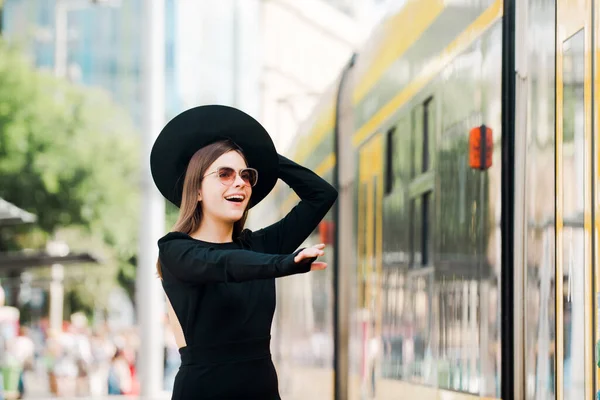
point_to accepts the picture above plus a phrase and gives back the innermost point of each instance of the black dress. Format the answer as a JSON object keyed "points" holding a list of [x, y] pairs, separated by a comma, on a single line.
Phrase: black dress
{"points": [[224, 296]]}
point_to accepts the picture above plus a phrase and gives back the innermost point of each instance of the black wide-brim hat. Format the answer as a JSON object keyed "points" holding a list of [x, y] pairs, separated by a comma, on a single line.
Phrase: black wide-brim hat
{"points": [[200, 126]]}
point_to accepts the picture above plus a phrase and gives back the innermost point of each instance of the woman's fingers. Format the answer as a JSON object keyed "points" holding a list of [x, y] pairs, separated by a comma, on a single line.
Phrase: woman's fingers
{"points": [[317, 266], [310, 252]]}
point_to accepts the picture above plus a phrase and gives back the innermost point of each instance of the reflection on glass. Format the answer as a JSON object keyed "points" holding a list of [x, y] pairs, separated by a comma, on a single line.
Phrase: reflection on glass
{"points": [[540, 301], [303, 329], [467, 234], [440, 291], [573, 193]]}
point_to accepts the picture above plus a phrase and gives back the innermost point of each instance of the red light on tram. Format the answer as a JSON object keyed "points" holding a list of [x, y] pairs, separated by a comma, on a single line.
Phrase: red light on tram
{"points": [[481, 147], [326, 232]]}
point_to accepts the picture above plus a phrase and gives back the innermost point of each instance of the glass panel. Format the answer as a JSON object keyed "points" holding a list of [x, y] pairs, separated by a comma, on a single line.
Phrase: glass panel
{"points": [[427, 131], [441, 325], [423, 368], [362, 242], [417, 141], [304, 304], [391, 292], [540, 302], [416, 237], [466, 242], [573, 246], [390, 151], [427, 221]]}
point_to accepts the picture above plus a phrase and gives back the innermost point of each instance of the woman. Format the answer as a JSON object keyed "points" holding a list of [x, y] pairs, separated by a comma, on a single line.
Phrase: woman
{"points": [[216, 162]]}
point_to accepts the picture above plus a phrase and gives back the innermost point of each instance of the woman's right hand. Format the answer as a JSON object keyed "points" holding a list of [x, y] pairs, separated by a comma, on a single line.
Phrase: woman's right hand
{"points": [[312, 252]]}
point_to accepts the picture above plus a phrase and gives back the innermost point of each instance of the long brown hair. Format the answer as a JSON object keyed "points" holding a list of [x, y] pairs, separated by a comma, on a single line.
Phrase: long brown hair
{"points": [[190, 211]]}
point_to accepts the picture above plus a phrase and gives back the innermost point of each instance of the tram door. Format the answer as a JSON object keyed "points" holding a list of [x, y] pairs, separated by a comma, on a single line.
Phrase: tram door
{"points": [[369, 237], [574, 292], [596, 194]]}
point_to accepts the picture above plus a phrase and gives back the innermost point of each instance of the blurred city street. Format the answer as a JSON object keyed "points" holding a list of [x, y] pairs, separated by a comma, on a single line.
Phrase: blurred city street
{"points": [[37, 383], [439, 156], [86, 85]]}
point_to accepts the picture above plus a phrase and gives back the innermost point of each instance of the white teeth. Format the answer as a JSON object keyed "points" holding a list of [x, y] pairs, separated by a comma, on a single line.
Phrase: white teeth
{"points": [[235, 197]]}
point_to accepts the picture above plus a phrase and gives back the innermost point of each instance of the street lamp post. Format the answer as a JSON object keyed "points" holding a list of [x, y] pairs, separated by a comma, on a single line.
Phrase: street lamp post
{"points": [[149, 295], [150, 302], [57, 290]]}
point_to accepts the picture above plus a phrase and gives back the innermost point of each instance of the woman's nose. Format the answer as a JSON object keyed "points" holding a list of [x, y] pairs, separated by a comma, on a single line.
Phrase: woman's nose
{"points": [[239, 182]]}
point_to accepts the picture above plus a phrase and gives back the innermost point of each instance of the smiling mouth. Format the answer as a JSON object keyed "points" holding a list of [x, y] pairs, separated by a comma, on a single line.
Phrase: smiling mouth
{"points": [[235, 198]]}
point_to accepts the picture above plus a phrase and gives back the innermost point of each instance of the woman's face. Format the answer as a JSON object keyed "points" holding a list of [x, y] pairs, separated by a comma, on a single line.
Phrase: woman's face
{"points": [[214, 192]]}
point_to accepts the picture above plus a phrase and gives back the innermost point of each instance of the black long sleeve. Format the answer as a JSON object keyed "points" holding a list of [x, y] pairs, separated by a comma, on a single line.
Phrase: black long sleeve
{"points": [[316, 198], [190, 261], [223, 294]]}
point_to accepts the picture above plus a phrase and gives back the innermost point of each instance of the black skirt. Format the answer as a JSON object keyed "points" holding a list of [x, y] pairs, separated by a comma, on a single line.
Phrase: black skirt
{"points": [[239, 371]]}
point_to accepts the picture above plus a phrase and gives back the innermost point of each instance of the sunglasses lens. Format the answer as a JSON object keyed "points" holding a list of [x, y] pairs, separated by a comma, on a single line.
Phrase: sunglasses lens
{"points": [[249, 176], [226, 175]]}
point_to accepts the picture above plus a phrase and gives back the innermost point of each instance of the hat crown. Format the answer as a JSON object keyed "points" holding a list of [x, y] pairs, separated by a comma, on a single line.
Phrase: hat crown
{"points": [[200, 126]]}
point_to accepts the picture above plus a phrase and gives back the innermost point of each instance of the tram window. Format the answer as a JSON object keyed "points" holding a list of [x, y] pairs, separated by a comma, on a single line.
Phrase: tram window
{"points": [[420, 230], [421, 138], [420, 208], [417, 142], [389, 161], [417, 232], [425, 229], [573, 195], [426, 126], [411, 233]]}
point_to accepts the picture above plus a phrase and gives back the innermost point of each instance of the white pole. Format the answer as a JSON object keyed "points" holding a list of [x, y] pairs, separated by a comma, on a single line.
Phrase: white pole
{"points": [[235, 49], [60, 38], [57, 295], [150, 297]]}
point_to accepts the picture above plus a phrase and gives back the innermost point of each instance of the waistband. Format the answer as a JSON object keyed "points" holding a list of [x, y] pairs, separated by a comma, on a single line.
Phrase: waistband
{"points": [[200, 355]]}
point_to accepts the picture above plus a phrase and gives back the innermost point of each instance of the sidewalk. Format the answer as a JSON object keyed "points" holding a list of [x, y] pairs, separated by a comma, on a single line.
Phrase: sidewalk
{"points": [[37, 389]]}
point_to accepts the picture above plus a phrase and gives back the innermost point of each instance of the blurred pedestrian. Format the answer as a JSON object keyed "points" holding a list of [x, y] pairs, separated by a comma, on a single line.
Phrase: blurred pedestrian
{"points": [[119, 374], [22, 350]]}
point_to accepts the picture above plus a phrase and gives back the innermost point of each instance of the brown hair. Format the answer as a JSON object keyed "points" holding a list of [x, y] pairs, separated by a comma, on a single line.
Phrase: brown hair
{"points": [[190, 211]]}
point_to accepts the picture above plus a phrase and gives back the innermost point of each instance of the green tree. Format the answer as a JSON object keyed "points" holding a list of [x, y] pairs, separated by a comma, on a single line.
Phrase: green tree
{"points": [[71, 156]]}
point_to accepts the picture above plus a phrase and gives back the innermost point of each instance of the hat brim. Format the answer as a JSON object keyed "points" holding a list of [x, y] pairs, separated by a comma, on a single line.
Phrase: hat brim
{"points": [[197, 127]]}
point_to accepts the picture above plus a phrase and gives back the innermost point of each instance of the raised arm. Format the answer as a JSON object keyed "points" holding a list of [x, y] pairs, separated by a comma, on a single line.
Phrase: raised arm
{"points": [[316, 198], [192, 262]]}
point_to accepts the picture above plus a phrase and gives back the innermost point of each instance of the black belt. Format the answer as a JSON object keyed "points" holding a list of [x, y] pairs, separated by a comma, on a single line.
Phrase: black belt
{"points": [[202, 355]]}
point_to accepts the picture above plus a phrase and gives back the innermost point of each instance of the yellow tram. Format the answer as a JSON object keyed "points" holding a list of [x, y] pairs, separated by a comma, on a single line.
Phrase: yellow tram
{"points": [[463, 140]]}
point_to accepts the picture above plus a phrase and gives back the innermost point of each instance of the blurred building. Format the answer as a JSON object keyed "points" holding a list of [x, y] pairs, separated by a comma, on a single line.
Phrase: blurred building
{"points": [[102, 43], [272, 58], [306, 44]]}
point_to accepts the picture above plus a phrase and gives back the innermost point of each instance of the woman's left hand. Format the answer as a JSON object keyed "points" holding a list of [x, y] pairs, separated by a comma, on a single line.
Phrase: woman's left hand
{"points": [[312, 252]]}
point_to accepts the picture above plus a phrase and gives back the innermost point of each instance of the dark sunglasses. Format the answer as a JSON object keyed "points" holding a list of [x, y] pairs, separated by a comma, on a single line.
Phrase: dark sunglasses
{"points": [[227, 175]]}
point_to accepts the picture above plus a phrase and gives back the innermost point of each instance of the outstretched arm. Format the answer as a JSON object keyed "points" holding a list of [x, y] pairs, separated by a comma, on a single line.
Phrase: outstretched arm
{"points": [[194, 263], [316, 198]]}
